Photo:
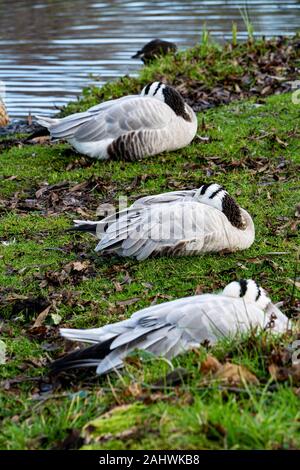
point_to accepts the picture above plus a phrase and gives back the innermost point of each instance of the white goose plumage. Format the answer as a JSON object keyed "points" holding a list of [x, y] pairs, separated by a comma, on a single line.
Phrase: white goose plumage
{"points": [[175, 223], [171, 328], [131, 127]]}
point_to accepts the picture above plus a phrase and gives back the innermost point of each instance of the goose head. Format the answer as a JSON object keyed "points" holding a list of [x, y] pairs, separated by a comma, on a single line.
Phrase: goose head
{"points": [[216, 196], [168, 95], [251, 292], [248, 290]]}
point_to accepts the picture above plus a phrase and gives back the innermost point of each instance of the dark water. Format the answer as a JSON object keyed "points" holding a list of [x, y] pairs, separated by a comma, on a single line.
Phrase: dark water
{"points": [[50, 48]]}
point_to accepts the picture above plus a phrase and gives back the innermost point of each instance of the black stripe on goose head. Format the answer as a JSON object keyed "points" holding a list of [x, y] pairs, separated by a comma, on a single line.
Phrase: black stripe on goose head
{"points": [[216, 196], [249, 291], [146, 89], [258, 293], [243, 287], [204, 187]]}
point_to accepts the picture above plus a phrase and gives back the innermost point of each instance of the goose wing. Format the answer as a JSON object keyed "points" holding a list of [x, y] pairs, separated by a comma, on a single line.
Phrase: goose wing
{"points": [[125, 116], [111, 119], [108, 104], [181, 226], [167, 329], [165, 198]]}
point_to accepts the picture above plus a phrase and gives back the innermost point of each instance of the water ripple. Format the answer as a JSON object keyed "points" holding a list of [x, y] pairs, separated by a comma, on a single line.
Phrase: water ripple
{"points": [[47, 54]]}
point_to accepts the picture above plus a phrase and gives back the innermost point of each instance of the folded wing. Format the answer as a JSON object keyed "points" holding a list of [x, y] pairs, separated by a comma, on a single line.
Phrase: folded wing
{"points": [[111, 119], [155, 228], [167, 329]]}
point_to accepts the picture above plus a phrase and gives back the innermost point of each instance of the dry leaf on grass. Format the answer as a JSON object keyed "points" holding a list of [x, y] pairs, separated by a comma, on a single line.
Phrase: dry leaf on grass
{"points": [[41, 318], [124, 303], [79, 266], [133, 390], [210, 365], [41, 140], [282, 374], [228, 373], [235, 375]]}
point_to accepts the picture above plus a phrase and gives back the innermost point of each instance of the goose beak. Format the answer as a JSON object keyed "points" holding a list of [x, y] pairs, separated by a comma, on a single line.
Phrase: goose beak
{"points": [[278, 321], [273, 309]]}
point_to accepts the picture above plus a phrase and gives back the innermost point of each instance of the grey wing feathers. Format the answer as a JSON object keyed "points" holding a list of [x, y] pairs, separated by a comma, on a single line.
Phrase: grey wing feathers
{"points": [[96, 335], [65, 127], [107, 104], [133, 234], [170, 328], [154, 228], [165, 198], [124, 116], [112, 119]]}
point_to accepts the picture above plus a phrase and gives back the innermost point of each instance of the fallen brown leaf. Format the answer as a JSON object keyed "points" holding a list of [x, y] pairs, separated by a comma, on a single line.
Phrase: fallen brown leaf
{"points": [[41, 317], [134, 390], [79, 266], [234, 375], [210, 365], [282, 373], [123, 303]]}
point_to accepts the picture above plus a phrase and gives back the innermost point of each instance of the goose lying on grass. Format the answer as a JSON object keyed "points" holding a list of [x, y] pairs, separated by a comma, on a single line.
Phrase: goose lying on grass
{"points": [[176, 223], [171, 328], [131, 127], [154, 49]]}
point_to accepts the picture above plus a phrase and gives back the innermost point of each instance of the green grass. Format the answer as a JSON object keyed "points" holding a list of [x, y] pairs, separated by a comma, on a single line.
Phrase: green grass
{"points": [[254, 152]]}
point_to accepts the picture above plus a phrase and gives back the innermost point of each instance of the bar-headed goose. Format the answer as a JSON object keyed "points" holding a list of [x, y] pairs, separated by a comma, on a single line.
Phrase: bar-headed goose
{"points": [[154, 49], [177, 223], [171, 328], [131, 127]]}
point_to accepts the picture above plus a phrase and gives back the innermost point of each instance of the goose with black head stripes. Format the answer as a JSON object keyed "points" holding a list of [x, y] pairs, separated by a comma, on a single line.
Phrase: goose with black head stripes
{"points": [[129, 128], [171, 328], [176, 223]]}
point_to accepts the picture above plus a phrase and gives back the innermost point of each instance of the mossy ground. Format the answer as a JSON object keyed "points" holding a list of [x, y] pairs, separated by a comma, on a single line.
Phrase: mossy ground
{"points": [[254, 152]]}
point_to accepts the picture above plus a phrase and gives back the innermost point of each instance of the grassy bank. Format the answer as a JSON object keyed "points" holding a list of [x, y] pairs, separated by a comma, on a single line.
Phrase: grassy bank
{"points": [[208, 74], [252, 148]]}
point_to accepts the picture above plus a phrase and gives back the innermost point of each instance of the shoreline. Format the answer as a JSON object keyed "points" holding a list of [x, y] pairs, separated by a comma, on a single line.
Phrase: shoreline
{"points": [[224, 79]]}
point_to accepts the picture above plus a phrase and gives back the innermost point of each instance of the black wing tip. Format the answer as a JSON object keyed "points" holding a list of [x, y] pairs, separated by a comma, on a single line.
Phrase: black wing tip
{"points": [[66, 363], [88, 228], [86, 357]]}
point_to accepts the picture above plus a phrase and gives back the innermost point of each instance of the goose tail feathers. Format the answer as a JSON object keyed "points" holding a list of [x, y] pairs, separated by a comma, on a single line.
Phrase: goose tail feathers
{"points": [[88, 226], [46, 121], [87, 357]]}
